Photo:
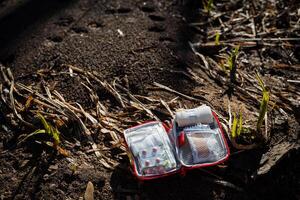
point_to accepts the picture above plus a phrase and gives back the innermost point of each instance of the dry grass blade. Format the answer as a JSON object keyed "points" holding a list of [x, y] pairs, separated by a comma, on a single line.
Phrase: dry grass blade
{"points": [[200, 55], [59, 96], [100, 108], [67, 110], [12, 101], [104, 84], [47, 101], [113, 135], [87, 115], [137, 104], [9, 79], [2, 94], [163, 87], [167, 107], [6, 80], [47, 90]]}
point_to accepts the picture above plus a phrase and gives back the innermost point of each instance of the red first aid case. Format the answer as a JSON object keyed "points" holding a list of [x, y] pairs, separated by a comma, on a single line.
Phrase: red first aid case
{"points": [[194, 140]]}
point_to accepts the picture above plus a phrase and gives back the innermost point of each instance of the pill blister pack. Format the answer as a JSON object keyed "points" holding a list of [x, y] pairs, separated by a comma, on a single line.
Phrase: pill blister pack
{"points": [[156, 160], [151, 149]]}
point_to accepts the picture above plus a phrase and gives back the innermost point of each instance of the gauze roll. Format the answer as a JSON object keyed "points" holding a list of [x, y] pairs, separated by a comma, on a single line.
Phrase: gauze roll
{"points": [[189, 117]]}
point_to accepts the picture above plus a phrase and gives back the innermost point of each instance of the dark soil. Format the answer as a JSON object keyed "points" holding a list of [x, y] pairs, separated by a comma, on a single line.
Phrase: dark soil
{"points": [[139, 42]]}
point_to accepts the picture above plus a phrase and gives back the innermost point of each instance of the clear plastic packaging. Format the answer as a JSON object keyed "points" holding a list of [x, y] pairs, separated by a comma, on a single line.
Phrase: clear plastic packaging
{"points": [[201, 143], [151, 149], [206, 144]]}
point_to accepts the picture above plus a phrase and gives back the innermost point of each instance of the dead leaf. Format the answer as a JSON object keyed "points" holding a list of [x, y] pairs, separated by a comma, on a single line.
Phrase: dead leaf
{"points": [[28, 102], [89, 192], [63, 151]]}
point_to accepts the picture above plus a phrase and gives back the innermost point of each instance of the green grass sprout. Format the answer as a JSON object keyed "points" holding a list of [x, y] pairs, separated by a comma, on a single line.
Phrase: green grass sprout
{"points": [[217, 38], [263, 104], [232, 58], [234, 126], [208, 5], [237, 125], [49, 130]]}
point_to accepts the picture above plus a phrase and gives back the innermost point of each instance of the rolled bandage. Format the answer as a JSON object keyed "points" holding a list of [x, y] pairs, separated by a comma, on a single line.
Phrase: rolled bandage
{"points": [[189, 117]]}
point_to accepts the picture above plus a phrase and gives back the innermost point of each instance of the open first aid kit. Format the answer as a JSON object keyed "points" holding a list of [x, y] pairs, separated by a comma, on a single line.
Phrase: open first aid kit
{"points": [[194, 140]]}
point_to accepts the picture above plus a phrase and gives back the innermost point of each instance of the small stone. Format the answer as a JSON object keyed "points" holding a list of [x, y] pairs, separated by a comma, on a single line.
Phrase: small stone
{"points": [[24, 163], [121, 33], [89, 192], [53, 167]]}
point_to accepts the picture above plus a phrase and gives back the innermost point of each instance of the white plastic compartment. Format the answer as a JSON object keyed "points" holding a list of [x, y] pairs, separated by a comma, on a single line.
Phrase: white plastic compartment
{"points": [[202, 142]]}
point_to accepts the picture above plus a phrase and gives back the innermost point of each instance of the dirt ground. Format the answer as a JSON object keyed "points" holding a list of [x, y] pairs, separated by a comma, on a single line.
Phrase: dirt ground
{"points": [[139, 42]]}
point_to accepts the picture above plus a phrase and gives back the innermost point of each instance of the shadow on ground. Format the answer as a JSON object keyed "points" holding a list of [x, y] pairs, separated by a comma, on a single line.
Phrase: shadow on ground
{"points": [[22, 18]]}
